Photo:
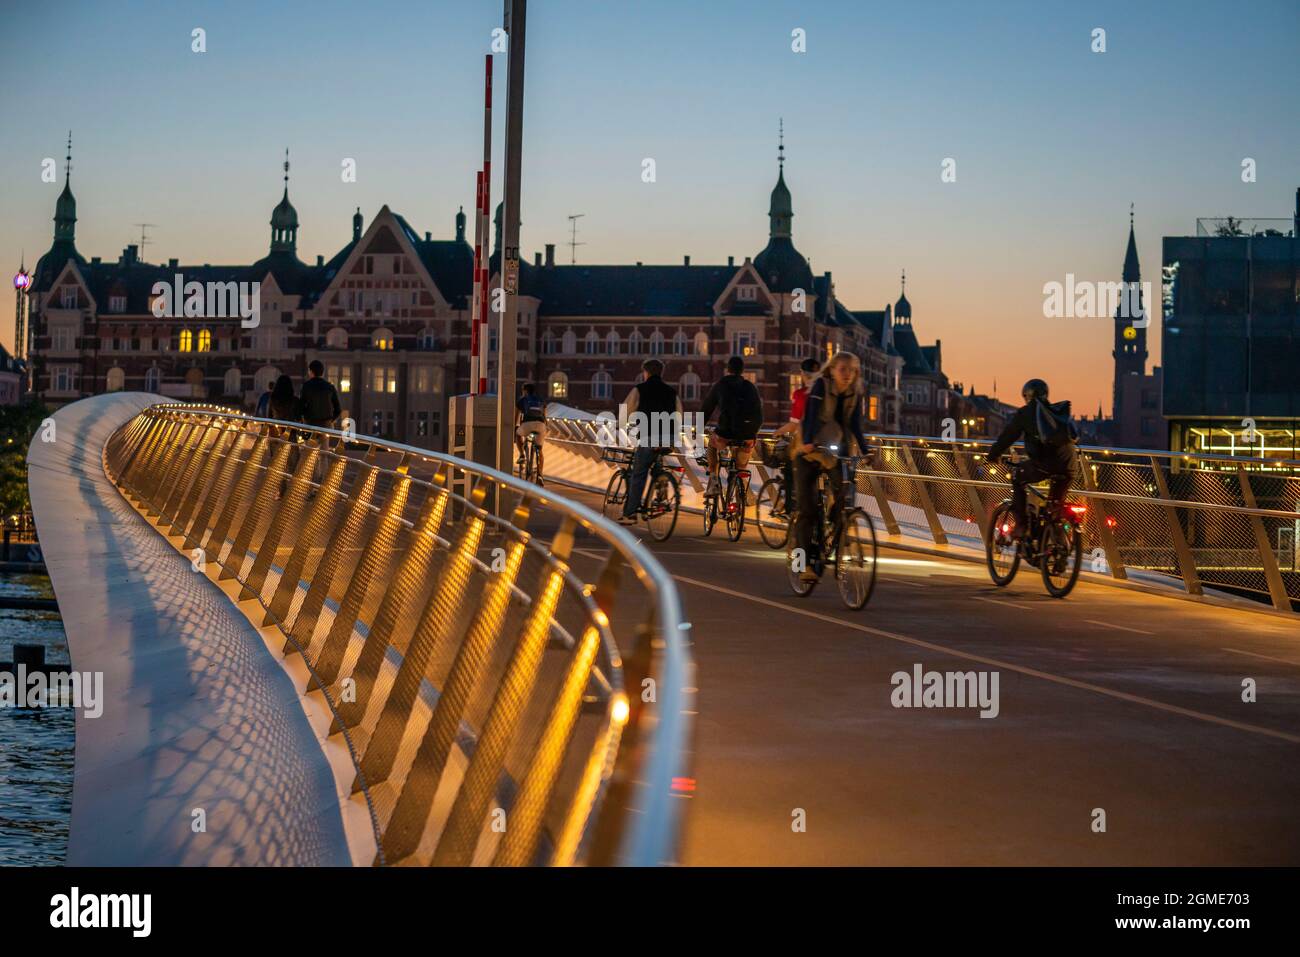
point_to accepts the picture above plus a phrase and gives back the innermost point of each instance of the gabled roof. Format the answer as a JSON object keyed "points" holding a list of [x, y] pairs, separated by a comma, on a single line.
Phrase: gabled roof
{"points": [[628, 290], [450, 263]]}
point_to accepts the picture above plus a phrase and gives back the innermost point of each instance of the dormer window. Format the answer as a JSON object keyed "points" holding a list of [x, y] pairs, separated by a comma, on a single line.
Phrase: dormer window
{"points": [[117, 303]]}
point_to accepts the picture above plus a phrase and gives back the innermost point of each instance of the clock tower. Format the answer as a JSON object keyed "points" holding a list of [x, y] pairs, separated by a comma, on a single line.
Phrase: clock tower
{"points": [[1130, 353]]}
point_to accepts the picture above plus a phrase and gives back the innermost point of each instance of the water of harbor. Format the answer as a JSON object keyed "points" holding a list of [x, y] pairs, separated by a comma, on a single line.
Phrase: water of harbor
{"points": [[36, 745]]}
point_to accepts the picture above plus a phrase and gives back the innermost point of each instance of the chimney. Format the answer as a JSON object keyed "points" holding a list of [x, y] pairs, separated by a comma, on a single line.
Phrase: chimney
{"points": [[320, 260], [686, 260], [550, 254], [537, 259], [1296, 226], [128, 254], [173, 264], [731, 260], [94, 260], [428, 236], [638, 262]]}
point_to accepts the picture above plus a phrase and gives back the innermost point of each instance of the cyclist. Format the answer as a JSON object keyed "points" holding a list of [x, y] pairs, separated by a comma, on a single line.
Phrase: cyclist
{"points": [[832, 416], [654, 398], [530, 419], [1049, 444], [809, 367], [740, 416]]}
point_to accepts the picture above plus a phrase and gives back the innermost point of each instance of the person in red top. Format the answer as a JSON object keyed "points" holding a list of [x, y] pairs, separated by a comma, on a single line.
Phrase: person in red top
{"points": [[810, 368]]}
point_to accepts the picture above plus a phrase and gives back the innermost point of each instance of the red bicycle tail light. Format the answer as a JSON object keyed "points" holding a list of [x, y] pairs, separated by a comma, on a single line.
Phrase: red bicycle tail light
{"points": [[1078, 509], [1111, 523]]}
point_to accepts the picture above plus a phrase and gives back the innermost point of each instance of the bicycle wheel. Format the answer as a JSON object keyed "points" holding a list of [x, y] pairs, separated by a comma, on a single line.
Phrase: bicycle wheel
{"points": [[794, 570], [1060, 555], [661, 511], [530, 464], [710, 514], [615, 495], [736, 502], [1001, 550], [773, 523], [855, 559]]}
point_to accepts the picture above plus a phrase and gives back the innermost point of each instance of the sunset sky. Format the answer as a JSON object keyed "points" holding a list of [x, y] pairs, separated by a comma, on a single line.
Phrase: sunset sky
{"points": [[1051, 140]]}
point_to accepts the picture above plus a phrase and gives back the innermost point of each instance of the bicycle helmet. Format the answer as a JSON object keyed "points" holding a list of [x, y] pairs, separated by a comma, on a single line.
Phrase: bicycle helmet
{"points": [[1036, 389]]}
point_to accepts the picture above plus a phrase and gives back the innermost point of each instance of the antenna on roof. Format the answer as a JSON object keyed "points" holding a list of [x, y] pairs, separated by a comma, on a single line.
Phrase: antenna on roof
{"points": [[144, 238], [573, 243]]}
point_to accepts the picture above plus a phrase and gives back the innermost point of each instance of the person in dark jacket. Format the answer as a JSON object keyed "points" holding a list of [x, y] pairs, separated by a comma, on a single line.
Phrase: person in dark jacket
{"points": [[832, 420], [282, 404], [320, 400], [740, 416], [1045, 461], [658, 402]]}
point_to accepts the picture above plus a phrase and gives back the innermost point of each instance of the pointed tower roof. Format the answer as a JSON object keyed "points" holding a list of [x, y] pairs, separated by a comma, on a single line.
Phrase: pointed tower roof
{"points": [[782, 266], [903, 308], [1132, 271], [65, 208], [65, 221]]}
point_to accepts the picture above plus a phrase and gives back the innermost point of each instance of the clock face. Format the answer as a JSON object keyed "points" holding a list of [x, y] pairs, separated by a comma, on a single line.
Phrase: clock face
{"points": [[1130, 332]]}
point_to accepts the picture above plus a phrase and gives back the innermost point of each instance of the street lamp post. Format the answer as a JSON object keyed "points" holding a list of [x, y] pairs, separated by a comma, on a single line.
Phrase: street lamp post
{"points": [[515, 21]]}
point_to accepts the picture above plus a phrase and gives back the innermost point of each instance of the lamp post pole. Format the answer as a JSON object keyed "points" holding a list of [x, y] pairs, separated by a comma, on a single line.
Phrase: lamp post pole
{"points": [[515, 19]]}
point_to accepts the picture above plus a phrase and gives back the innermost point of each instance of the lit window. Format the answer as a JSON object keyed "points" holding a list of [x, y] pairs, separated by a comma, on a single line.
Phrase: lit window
{"points": [[382, 340], [557, 386], [701, 343], [186, 341], [205, 340]]}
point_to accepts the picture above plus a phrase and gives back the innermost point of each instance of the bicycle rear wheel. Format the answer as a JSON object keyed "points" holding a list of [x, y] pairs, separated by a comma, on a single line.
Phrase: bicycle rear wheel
{"points": [[1060, 555], [773, 523], [855, 559], [710, 514], [615, 495], [661, 510], [735, 505], [1001, 549]]}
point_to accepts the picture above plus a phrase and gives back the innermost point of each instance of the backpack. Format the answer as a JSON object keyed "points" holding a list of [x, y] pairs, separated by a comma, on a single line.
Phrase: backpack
{"points": [[749, 411], [1054, 424], [316, 404]]}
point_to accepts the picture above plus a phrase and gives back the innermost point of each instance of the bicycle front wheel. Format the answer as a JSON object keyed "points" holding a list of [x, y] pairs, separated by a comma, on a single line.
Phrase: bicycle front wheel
{"points": [[710, 514], [1001, 548], [855, 559], [615, 495], [773, 523], [1060, 555], [661, 509]]}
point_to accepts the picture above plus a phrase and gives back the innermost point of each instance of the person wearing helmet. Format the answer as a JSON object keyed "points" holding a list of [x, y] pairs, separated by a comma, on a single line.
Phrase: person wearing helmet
{"points": [[1049, 439]]}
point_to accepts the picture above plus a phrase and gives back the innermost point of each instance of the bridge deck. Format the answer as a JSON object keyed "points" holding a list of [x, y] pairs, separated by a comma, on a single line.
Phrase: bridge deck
{"points": [[197, 713], [1110, 699]]}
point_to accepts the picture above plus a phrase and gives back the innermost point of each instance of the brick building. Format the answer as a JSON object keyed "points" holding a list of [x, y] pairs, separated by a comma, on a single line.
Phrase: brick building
{"points": [[388, 315]]}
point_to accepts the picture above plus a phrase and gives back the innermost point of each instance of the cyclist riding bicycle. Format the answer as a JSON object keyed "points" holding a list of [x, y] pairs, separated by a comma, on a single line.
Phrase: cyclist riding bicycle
{"points": [[740, 416], [798, 400], [530, 419], [1050, 438], [832, 418], [654, 398]]}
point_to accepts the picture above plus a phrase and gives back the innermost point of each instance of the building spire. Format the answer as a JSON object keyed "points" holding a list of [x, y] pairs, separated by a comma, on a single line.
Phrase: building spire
{"points": [[67, 163], [65, 207], [284, 218], [780, 149], [1132, 270]]}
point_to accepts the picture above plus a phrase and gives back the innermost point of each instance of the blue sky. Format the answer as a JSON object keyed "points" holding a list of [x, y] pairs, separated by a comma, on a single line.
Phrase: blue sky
{"points": [[1052, 141]]}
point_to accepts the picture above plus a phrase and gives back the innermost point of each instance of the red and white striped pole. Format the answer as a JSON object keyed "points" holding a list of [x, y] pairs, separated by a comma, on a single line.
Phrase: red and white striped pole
{"points": [[478, 265], [486, 213]]}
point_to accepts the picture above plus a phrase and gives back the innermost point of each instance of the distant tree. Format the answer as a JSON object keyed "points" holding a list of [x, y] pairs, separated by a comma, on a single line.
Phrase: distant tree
{"points": [[1230, 227], [18, 423]]}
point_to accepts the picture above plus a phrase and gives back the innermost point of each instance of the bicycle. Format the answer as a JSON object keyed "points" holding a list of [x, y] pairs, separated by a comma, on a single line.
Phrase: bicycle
{"points": [[733, 500], [844, 536], [1053, 542], [771, 507], [662, 497], [529, 469]]}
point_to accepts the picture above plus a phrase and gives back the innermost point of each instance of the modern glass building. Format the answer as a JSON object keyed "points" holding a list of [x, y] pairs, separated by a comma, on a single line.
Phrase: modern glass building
{"points": [[1231, 338]]}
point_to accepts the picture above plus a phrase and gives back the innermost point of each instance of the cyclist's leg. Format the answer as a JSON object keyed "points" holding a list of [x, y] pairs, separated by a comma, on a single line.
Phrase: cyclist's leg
{"points": [[805, 480], [519, 440], [641, 461], [741, 451], [1058, 489], [716, 445]]}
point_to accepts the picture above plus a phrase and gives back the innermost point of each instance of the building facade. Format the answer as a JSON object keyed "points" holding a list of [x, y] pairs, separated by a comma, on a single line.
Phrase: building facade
{"points": [[1231, 342], [388, 316]]}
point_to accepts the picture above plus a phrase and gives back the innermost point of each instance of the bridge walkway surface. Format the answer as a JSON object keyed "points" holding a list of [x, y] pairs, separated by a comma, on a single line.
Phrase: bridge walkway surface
{"points": [[1112, 699], [198, 714]]}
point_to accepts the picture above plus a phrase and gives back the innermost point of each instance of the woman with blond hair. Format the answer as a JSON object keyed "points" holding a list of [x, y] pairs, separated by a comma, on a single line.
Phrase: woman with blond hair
{"points": [[832, 420]]}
